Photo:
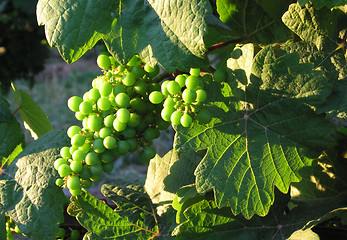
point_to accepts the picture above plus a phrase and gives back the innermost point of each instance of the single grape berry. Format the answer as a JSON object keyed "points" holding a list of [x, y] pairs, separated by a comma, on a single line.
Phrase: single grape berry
{"points": [[122, 100], [106, 89], [155, 97], [189, 95], [73, 103], [123, 115], [64, 170], [78, 140], [195, 71], [129, 79], [192, 82], [103, 61], [201, 95], [186, 120], [110, 142], [219, 75], [92, 159], [94, 123], [204, 116], [176, 117], [104, 104], [86, 107], [71, 131], [73, 182], [181, 80], [76, 166], [59, 182], [173, 87], [119, 126]]}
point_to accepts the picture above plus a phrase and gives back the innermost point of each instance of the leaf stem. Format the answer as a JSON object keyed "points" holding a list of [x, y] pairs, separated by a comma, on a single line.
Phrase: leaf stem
{"points": [[15, 111], [226, 43]]}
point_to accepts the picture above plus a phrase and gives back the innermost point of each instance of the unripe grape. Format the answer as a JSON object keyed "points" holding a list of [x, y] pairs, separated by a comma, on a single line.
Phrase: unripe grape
{"points": [[76, 166], [119, 126], [73, 103], [201, 95], [98, 146], [123, 115], [86, 183], [75, 192], [138, 105], [104, 104], [163, 88], [186, 120], [133, 61], [108, 121], [64, 170], [140, 87], [134, 120], [74, 235], [78, 155], [105, 132], [162, 125], [132, 144], [59, 182], [138, 71], [166, 113], [204, 116], [77, 140], [147, 154], [192, 82], [92, 159], [86, 107], [94, 123], [61, 232], [107, 167], [195, 71], [151, 133], [148, 68], [173, 87], [181, 80], [169, 102], [118, 88], [129, 79], [219, 75], [110, 142], [106, 89], [65, 152], [96, 170], [122, 100], [129, 132], [93, 94], [85, 174], [73, 183], [189, 95], [155, 97], [85, 147], [103, 61], [176, 117], [79, 116], [123, 147], [59, 162], [106, 157]]}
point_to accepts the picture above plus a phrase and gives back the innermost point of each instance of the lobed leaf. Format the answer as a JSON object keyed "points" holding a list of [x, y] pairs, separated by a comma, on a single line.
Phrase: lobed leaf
{"points": [[28, 191], [263, 133]]}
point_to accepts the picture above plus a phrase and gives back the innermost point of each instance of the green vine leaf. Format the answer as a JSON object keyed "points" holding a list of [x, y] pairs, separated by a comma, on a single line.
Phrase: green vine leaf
{"points": [[28, 191], [170, 33], [102, 222], [2, 222], [206, 221], [74, 26], [10, 131], [318, 4], [263, 133]]}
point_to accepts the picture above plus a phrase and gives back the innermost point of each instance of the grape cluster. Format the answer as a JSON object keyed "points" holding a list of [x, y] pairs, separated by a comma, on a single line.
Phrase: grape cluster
{"points": [[122, 113], [117, 118], [183, 96]]}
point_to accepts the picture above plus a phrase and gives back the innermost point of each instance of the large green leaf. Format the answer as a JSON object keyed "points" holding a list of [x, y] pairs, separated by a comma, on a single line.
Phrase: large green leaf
{"points": [[207, 221], [258, 21], [102, 222], [170, 32], [321, 3], [262, 133], [10, 130], [165, 176], [2, 223], [35, 120], [28, 191]]}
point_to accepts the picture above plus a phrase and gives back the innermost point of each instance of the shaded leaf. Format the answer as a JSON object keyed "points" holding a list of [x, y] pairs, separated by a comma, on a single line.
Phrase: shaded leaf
{"points": [[262, 132], [7, 161], [2, 223], [74, 26], [28, 191], [102, 222], [206, 221]]}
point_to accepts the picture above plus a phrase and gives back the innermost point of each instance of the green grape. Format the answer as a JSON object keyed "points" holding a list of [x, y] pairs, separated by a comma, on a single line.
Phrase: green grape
{"points": [[129, 132], [204, 116], [94, 123], [78, 140], [73, 103], [132, 144], [85, 96], [76, 166], [79, 116], [85, 123], [148, 68], [85, 174], [114, 63], [162, 125], [104, 104], [96, 170], [155, 97], [85, 147], [86, 183], [176, 117], [186, 120], [134, 120], [74, 235], [65, 152], [140, 87], [133, 61], [73, 149], [118, 88], [98, 146], [153, 86], [59, 182], [17, 230], [201, 95], [92, 159], [147, 154], [73, 182], [129, 79], [106, 157], [181, 80], [106, 89], [119, 126], [108, 121], [155, 72], [103, 61], [107, 167], [61, 232], [64, 170], [105, 132], [151, 133], [138, 105], [142, 126], [86, 107], [78, 155], [123, 115], [110, 142], [138, 71], [194, 71], [9, 235], [169, 102], [219, 75], [93, 94], [189, 96], [123, 147], [75, 192], [173, 87], [192, 82], [166, 113], [164, 89], [122, 100], [149, 118], [59, 162]]}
